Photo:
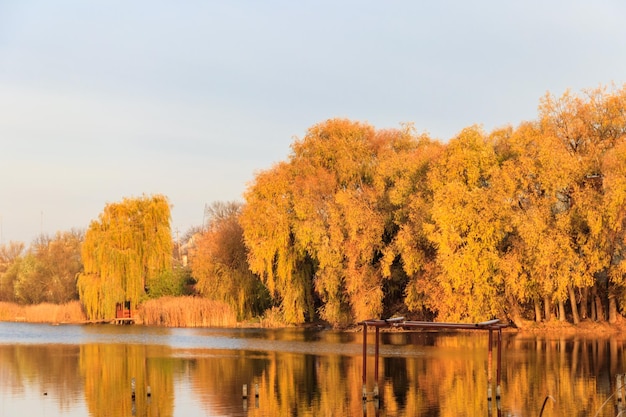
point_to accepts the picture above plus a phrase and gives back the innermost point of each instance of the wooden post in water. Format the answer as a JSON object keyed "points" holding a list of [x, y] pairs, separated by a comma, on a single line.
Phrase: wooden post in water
{"points": [[376, 363], [364, 361], [499, 369], [489, 366], [244, 395]]}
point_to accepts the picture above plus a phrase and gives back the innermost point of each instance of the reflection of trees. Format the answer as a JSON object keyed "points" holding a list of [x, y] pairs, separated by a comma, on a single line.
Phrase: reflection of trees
{"points": [[577, 372], [108, 370], [421, 374], [51, 369], [447, 378], [217, 376]]}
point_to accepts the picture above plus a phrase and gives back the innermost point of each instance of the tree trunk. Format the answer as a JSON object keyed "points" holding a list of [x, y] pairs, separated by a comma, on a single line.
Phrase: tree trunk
{"points": [[547, 307], [515, 314], [583, 303], [612, 305], [537, 309], [572, 301], [561, 310], [598, 304]]}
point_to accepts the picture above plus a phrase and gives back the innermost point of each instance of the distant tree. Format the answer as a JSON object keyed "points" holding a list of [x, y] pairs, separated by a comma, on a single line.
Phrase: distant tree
{"points": [[126, 252], [10, 256], [220, 266], [48, 272], [30, 282]]}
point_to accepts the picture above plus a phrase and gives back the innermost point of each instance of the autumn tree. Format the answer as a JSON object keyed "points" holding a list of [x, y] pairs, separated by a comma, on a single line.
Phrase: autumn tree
{"points": [[538, 262], [49, 270], [337, 217], [467, 226], [220, 266], [324, 222], [409, 256], [614, 219], [274, 253], [589, 127], [10, 256], [126, 251]]}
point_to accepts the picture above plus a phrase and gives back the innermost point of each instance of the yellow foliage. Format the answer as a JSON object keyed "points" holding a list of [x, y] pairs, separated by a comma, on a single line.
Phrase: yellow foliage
{"points": [[127, 248]]}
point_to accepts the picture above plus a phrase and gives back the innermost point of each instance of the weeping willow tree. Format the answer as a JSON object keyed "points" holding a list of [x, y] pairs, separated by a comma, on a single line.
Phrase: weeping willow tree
{"points": [[128, 249]]}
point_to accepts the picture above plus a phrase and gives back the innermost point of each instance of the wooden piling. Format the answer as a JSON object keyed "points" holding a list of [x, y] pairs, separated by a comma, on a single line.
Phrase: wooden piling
{"points": [[376, 350], [499, 366], [489, 365], [364, 361]]}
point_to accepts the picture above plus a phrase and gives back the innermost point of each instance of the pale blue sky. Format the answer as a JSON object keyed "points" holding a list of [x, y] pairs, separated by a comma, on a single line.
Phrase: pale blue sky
{"points": [[102, 100]]}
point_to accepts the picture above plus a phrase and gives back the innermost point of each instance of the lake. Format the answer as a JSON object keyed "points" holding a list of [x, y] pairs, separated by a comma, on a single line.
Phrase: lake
{"points": [[89, 370]]}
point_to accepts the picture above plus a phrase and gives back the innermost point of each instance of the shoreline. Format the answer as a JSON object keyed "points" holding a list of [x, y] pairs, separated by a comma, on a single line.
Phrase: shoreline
{"points": [[584, 328]]}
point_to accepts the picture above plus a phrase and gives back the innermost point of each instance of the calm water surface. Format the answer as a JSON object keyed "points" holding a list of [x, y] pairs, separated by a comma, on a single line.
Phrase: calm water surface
{"points": [[87, 371]]}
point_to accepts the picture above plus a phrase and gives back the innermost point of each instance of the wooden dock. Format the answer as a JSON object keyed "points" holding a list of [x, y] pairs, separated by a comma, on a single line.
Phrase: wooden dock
{"points": [[399, 322], [123, 320], [120, 321]]}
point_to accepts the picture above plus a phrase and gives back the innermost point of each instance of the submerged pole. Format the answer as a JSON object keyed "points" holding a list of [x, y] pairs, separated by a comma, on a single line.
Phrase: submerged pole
{"points": [[364, 360], [489, 366], [376, 363], [499, 370]]}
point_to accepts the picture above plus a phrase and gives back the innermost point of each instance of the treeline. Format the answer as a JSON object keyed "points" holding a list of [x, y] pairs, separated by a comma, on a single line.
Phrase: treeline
{"points": [[521, 223]]}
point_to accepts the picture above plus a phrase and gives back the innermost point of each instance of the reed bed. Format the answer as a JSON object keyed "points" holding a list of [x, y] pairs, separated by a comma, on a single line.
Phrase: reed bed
{"points": [[70, 312], [273, 318], [187, 312]]}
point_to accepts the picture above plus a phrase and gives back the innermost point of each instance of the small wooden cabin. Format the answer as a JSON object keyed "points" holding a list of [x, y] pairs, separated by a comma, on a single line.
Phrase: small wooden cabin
{"points": [[123, 310]]}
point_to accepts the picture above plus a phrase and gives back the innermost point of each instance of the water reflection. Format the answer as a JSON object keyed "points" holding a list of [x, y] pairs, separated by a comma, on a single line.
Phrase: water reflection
{"points": [[88, 370]]}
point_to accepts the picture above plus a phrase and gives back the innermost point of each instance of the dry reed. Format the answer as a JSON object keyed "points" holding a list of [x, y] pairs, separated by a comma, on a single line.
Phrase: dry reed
{"points": [[71, 312], [187, 312], [273, 318]]}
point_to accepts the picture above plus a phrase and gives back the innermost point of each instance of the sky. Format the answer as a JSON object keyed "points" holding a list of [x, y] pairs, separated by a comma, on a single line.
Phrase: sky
{"points": [[104, 100]]}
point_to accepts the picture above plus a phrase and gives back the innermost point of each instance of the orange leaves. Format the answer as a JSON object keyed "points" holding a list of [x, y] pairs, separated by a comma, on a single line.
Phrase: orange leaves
{"points": [[220, 265], [335, 213], [461, 228]]}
